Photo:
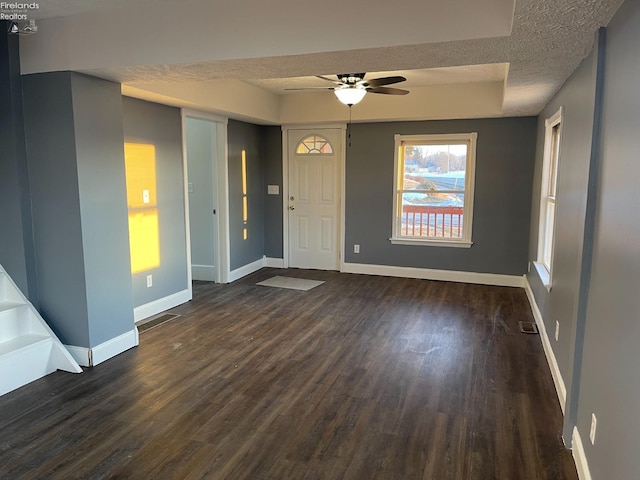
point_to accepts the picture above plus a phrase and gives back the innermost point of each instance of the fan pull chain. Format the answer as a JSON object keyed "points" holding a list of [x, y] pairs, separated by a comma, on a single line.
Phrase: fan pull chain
{"points": [[349, 128]]}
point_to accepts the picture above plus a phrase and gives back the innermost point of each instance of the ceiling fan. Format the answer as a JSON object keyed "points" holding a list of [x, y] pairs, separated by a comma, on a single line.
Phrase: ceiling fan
{"points": [[350, 88]]}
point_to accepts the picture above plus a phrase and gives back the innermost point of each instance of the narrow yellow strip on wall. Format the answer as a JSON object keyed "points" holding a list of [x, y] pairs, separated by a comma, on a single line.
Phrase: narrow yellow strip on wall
{"points": [[244, 209], [244, 172], [245, 205]]}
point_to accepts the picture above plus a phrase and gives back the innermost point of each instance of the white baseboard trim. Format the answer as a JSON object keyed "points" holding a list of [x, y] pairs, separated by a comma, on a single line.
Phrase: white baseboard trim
{"points": [[248, 269], [579, 457], [274, 262], [546, 345], [430, 274], [80, 355], [206, 273], [153, 308], [90, 357]]}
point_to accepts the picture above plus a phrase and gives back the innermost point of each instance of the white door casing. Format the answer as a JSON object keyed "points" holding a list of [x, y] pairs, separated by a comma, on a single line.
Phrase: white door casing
{"points": [[314, 197], [220, 194]]}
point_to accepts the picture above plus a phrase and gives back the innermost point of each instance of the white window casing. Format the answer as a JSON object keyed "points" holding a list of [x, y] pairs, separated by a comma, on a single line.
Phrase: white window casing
{"points": [[548, 197], [436, 231]]}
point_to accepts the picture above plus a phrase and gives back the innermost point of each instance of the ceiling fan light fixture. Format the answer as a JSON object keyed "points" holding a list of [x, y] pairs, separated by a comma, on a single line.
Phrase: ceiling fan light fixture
{"points": [[350, 95]]}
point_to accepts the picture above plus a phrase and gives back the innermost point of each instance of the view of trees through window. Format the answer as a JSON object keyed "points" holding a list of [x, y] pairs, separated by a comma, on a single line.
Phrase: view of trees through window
{"points": [[436, 168]]}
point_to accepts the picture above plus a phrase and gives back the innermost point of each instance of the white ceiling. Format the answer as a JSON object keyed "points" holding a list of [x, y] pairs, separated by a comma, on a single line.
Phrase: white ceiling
{"points": [[155, 46]]}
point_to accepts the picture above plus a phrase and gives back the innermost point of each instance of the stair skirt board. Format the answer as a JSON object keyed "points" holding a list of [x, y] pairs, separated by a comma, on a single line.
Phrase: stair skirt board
{"points": [[29, 349]]}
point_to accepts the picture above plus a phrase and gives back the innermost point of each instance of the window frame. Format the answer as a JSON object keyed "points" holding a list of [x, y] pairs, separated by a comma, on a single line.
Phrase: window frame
{"points": [[315, 151], [550, 171], [398, 176]]}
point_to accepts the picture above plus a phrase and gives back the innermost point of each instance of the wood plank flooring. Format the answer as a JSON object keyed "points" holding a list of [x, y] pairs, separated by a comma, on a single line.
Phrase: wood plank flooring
{"points": [[360, 378]]}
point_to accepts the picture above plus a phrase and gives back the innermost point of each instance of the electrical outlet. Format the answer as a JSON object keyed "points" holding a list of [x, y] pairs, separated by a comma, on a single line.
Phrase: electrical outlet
{"points": [[149, 280], [592, 432], [356, 248], [557, 330]]}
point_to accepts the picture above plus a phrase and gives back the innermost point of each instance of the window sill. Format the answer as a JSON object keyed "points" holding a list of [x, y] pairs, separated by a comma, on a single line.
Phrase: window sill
{"points": [[543, 273], [430, 243]]}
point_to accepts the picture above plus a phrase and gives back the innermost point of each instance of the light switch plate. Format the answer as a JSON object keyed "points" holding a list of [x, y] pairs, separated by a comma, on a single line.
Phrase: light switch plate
{"points": [[273, 189], [145, 196]]}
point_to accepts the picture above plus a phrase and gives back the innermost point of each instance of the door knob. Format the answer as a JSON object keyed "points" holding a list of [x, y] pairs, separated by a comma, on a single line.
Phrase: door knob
{"points": [[291, 207]]}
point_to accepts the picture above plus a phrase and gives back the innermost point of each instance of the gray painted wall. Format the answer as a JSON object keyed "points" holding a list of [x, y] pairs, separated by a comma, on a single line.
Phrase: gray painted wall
{"points": [[97, 116], [273, 245], [245, 136], [151, 123], [48, 112], [200, 139], [73, 129], [504, 168], [16, 247], [596, 266], [610, 384], [577, 97]]}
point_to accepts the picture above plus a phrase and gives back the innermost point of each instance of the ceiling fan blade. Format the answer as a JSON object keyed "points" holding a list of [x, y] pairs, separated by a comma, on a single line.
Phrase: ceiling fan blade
{"points": [[311, 88], [387, 90], [328, 79], [378, 82]]}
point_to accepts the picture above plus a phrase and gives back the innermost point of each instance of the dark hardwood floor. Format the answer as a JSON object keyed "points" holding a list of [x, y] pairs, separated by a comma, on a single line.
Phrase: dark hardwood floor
{"points": [[360, 378]]}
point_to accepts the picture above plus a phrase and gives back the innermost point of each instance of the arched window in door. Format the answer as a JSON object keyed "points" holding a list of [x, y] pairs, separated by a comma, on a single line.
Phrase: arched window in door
{"points": [[314, 145]]}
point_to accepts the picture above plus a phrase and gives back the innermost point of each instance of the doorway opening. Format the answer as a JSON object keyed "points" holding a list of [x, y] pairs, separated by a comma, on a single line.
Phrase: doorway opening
{"points": [[206, 193]]}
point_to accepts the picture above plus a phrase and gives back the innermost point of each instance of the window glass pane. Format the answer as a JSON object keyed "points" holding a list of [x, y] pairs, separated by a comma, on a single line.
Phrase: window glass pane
{"points": [[435, 167], [432, 215], [553, 166], [548, 237], [314, 144]]}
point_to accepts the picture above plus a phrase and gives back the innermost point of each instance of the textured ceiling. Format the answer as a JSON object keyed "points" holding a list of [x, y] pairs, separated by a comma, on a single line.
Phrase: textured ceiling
{"points": [[549, 38]]}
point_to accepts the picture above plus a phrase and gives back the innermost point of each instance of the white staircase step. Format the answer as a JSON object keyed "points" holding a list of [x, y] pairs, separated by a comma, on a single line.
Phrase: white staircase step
{"points": [[15, 344], [4, 306], [28, 347], [19, 321], [8, 292], [23, 360]]}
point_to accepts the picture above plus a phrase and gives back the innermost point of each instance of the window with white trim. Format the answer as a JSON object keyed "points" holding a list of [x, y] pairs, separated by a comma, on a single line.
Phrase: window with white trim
{"points": [[433, 189], [548, 193]]}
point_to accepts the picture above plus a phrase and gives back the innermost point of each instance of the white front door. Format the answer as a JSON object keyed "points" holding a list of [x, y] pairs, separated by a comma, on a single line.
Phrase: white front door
{"points": [[315, 158]]}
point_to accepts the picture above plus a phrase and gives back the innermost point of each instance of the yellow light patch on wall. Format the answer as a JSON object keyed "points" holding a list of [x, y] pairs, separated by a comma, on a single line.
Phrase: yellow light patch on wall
{"points": [[244, 172], [244, 210], [144, 240], [140, 166], [144, 233], [245, 205]]}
